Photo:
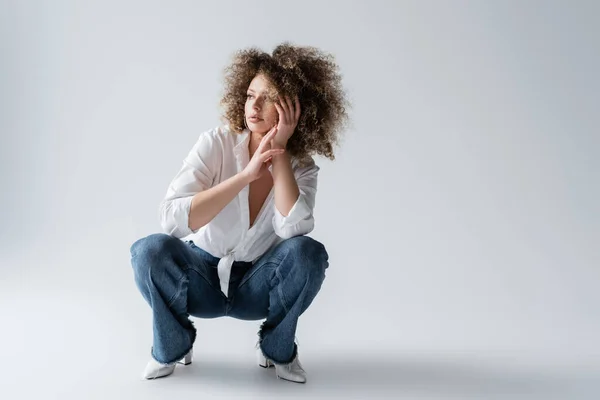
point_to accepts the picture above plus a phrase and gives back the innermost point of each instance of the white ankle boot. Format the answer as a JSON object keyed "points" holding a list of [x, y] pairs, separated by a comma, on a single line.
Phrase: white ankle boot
{"points": [[292, 371], [154, 369]]}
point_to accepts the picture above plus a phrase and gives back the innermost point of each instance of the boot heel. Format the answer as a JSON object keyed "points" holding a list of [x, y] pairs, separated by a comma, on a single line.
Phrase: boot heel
{"points": [[263, 361], [187, 360]]}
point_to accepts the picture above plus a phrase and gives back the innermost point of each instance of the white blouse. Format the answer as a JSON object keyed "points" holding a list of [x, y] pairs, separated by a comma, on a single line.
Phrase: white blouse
{"points": [[217, 155]]}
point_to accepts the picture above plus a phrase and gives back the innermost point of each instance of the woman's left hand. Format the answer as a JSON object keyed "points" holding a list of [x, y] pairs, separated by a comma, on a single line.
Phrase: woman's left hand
{"points": [[289, 114]]}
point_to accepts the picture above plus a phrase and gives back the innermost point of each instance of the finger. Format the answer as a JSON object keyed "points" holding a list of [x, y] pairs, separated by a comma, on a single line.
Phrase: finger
{"points": [[297, 115], [290, 106], [282, 103], [272, 132], [284, 106], [281, 112], [273, 152], [270, 153], [267, 138]]}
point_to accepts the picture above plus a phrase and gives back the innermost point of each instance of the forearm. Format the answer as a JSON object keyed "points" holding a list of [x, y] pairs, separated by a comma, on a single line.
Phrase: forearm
{"points": [[208, 203], [285, 186]]}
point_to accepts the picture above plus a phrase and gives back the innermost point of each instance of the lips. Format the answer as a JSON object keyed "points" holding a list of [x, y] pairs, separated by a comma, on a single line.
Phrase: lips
{"points": [[254, 118]]}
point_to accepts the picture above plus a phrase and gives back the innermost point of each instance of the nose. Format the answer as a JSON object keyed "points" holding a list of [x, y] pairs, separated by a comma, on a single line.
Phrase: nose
{"points": [[258, 103]]}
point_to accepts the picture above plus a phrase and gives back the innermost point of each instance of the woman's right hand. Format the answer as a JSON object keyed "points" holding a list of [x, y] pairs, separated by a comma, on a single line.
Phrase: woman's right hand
{"points": [[260, 161]]}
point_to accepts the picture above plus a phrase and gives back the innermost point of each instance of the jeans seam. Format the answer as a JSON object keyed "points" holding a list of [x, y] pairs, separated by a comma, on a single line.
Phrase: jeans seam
{"points": [[280, 291], [243, 282], [207, 281], [179, 289]]}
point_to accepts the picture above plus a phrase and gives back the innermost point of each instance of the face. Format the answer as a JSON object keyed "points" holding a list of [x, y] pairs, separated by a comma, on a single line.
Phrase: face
{"points": [[260, 98]]}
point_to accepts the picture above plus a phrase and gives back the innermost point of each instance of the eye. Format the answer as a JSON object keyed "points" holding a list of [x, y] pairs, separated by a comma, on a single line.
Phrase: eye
{"points": [[248, 95]]}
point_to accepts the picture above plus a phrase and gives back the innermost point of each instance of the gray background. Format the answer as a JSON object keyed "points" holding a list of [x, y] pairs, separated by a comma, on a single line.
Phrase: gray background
{"points": [[461, 215]]}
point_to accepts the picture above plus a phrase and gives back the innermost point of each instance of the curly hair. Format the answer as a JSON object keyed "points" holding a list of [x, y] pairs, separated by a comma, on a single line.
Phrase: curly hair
{"points": [[307, 72]]}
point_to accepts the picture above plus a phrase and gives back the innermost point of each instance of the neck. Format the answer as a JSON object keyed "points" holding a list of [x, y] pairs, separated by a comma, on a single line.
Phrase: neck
{"points": [[255, 139]]}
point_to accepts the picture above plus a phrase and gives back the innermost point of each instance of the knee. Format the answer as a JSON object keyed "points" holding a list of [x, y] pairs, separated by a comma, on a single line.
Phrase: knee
{"points": [[145, 250], [151, 245], [310, 254]]}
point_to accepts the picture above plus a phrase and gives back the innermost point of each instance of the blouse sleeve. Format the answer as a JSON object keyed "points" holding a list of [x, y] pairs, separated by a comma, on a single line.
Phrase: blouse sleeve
{"points": [[300, 220], [196, 174]]}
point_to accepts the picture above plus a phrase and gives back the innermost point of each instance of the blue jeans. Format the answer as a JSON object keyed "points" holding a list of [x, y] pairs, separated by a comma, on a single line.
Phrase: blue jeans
{"points": [[179, 279]]}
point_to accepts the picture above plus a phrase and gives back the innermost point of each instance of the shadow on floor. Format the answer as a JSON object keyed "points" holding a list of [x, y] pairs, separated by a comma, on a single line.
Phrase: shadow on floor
{"points": [[397, 377]]}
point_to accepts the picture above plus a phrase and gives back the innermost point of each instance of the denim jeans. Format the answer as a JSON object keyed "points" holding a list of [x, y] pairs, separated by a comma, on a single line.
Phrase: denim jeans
{"points": [[179, 279]]}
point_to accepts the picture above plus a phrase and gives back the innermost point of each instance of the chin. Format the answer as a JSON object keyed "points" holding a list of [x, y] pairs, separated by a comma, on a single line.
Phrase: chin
{"points": [[259, 127]]}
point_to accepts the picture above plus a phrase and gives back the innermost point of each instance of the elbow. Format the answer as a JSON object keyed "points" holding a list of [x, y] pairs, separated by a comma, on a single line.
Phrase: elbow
{"points": [[194, 229], [303, 227], [169, 222], [171, 229]]}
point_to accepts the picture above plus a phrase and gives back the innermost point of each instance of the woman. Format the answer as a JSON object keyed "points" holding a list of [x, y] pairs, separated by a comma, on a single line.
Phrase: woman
{"points": [[237, 213]]}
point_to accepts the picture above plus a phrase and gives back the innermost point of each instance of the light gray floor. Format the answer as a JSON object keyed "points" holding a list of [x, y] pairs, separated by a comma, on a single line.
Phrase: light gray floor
{"points": [[65, 338]]}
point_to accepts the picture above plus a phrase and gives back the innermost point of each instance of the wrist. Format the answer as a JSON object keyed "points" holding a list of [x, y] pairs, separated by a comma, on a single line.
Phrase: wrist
{"points": [[275, 145], [244, 177], [280, 158]]}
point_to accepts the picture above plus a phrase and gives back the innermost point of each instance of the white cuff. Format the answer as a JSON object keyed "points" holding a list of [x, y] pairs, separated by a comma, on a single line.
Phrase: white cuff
{"points": [[299, 212], [176, 217]]}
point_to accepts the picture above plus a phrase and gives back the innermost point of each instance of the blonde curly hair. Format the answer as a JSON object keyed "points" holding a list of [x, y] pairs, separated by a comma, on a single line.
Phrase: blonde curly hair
{"points": [[305, 71]]}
